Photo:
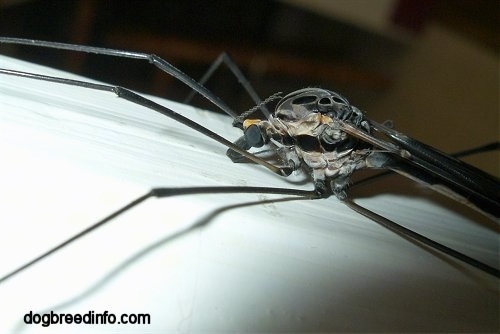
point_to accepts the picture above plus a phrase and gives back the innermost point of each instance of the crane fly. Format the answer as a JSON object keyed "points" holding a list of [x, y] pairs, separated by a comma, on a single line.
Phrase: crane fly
{"points": [[142, 161]]}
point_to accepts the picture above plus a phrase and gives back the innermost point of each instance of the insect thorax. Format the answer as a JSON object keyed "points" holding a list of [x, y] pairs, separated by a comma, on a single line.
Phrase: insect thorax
{"points": [[308, 123]]}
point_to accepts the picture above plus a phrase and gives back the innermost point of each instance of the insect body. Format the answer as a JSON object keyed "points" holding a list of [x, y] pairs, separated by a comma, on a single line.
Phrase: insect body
{"points": [[306, 132], [319, 131]]}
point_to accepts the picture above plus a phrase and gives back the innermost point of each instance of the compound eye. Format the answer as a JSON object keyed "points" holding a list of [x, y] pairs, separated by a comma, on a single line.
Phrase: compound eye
{"points": [[253, 136]]}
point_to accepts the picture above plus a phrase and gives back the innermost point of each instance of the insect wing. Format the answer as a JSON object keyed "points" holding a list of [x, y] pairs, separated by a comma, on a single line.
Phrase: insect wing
{"points": [[469, 184]]}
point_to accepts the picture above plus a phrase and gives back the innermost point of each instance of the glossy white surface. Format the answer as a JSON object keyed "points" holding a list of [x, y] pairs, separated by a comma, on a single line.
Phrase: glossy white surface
{"points": [[71, 156]]}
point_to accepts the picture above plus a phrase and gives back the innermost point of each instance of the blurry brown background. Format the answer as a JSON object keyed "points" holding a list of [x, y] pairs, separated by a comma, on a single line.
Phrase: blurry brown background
{"points": [[430, 66]]}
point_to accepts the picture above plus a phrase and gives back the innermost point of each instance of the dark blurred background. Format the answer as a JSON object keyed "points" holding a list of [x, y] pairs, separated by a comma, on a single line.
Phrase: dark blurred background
{"points": [[429, 65]]}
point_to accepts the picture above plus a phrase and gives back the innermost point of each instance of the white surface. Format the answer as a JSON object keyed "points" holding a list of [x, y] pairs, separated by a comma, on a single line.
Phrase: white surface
{"points": [[70, 156]]}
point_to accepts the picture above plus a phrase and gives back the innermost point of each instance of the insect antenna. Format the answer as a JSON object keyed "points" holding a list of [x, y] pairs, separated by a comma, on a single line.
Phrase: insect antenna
{"points": [[238, 121]]}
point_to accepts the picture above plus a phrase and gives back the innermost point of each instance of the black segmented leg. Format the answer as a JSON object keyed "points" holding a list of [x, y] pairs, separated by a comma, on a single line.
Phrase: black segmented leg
{"points": [[414, 236], [160, 193], [225, 59], [130, 96], [151, 58], [135, 98]]}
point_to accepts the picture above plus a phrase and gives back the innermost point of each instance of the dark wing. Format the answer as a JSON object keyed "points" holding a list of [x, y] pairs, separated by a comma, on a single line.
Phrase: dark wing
{"points": [[440, 171]]}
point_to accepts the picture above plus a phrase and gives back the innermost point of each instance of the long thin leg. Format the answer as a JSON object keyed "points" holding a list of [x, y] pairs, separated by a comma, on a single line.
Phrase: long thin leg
{"points": [[225, 59], [403, 231], [135, 98], [140, 100], [475, 150], [160, 193], [151, 58], [127, 262], [169, 192]]}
